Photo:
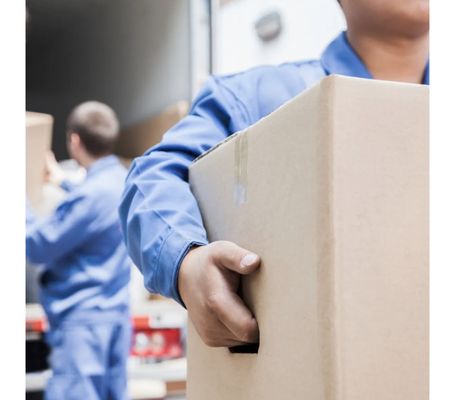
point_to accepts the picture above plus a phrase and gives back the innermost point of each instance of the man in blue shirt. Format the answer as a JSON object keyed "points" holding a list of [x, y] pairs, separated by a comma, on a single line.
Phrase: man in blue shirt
{"points": [[385, 39], [86, 266]]}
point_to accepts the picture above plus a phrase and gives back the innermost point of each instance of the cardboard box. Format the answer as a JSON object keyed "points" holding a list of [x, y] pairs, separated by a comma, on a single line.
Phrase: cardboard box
{"points": [[37, 143], [332, 191], [137, 139]]}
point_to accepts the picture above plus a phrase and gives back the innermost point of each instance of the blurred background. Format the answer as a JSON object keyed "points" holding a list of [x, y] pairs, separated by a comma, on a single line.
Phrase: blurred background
{"points": [[146, 59]]}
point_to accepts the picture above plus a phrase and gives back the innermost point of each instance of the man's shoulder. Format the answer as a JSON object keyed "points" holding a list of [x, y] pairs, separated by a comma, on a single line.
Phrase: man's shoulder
{"points": [[289, 71], [267, 69], [262, 89], [106, 184]]}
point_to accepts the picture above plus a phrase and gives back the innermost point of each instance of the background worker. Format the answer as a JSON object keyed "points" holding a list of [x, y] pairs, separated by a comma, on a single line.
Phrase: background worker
{"points": [[85, 280], [385, 39]]}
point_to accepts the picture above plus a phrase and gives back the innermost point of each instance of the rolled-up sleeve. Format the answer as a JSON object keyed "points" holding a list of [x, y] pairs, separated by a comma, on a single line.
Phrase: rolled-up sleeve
{"points": [[159, 214]]}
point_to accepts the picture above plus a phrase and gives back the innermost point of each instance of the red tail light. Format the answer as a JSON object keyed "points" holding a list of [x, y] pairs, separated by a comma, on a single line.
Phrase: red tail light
{"points": [[161, 343]]}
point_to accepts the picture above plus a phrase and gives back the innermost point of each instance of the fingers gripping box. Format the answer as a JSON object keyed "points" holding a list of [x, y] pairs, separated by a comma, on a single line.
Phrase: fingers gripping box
{"points": [[331, 190]]}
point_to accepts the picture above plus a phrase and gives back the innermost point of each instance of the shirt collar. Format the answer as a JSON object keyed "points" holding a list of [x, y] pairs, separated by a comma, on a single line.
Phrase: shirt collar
{"points": [[340, 58], [102, 163]]}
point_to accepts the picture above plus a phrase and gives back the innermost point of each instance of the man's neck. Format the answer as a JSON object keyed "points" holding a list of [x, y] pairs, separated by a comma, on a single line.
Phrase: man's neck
{"points": [[87, 161], [400, 59]]}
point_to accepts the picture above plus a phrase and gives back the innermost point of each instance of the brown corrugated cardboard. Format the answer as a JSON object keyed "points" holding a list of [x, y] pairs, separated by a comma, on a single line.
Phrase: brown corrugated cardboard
{"points": [[38, 142], [136, 139], [332, 191]]}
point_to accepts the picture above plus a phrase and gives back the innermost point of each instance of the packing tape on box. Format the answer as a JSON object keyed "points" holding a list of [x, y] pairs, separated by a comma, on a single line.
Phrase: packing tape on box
{"points": [[241, 164]]}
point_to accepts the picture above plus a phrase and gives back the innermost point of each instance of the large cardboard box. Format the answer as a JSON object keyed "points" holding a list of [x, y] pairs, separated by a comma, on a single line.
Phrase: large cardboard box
{"points": [[37, 143], [332, 191]]}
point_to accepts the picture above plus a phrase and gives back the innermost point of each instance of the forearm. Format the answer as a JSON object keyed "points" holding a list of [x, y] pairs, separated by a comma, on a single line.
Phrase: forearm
{"points": [[160, 217], [53, 237], [158, 228]]}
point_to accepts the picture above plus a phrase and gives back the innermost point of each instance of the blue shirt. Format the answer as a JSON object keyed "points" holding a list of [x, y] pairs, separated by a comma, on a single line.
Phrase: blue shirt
{"points": [[86, 266], [160, 217]]}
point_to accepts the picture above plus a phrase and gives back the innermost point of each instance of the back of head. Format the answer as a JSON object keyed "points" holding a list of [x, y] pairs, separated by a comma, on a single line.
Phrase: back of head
{"points": [[97, 126]]}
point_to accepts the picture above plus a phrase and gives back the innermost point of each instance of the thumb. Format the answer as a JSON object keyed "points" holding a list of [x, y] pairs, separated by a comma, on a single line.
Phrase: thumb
{"points": [[229, 255]]}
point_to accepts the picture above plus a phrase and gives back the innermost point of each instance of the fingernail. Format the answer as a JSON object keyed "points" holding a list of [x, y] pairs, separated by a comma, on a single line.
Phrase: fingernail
{"points": [[249, 260]]}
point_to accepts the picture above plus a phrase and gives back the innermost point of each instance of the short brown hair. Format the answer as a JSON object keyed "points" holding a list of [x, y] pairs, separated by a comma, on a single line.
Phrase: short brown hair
{"points": [[97, 126]]}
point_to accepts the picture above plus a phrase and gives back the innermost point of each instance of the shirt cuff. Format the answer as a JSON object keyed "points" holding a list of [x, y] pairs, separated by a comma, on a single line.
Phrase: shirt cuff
{"points": [[174, 249]]}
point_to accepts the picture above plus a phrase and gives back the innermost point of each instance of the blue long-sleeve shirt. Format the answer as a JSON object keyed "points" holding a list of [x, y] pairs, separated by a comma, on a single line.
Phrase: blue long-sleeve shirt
{"points": [[86, 267], [160, 217]]}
